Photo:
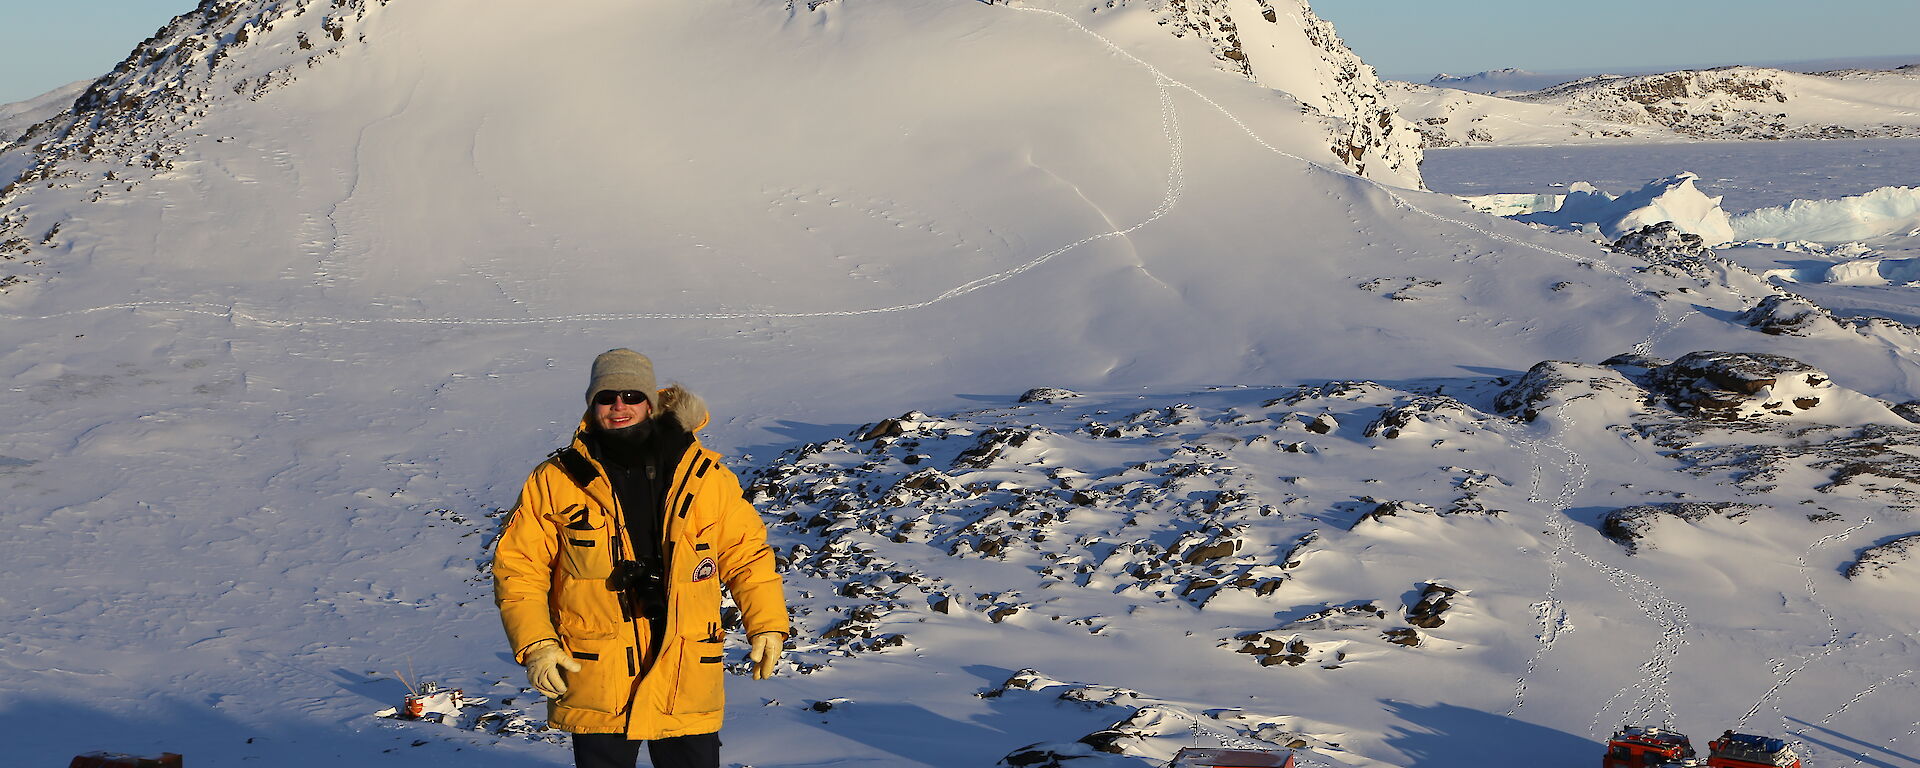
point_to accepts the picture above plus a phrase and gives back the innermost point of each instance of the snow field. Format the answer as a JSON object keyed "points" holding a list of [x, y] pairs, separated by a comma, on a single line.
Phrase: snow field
{"points": [[263, 438]]}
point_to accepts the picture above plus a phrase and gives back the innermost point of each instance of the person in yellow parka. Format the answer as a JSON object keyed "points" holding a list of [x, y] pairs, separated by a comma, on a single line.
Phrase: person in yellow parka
{"points": [[608, 576]]}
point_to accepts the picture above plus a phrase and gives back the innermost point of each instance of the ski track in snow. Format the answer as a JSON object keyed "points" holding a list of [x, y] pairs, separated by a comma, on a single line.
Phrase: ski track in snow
{"points": [[1176, 183]]}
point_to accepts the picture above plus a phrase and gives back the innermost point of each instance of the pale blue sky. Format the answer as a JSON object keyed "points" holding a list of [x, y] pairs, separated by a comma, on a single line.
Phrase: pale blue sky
{"points": [[1420, 38], [48, 43]]}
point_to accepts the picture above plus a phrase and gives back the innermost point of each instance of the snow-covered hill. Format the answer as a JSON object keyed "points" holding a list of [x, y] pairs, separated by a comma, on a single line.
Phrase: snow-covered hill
{"points": [[299, 293], [1729, 103], [17, 117]]}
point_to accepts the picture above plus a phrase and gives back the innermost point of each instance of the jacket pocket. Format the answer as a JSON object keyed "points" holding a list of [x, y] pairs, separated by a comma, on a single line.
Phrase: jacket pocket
{"points": [[702, 687], [586, 542], [603, 683]]}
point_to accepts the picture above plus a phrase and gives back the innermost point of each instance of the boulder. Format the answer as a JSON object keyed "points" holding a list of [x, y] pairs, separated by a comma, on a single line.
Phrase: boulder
{"points": [[1430, 611], [1786, 315], [1740, 384], [1661, 241]]}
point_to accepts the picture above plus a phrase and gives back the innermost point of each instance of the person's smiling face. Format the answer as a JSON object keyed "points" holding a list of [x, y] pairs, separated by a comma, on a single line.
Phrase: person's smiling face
{"points": [[613, 410]]}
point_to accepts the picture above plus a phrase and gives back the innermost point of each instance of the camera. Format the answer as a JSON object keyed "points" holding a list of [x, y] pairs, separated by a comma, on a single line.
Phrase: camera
{"points": [[643, 585]]}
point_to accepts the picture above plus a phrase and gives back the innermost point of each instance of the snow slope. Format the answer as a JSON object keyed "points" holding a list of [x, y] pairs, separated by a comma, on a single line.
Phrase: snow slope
{"points": [[304, 289]]}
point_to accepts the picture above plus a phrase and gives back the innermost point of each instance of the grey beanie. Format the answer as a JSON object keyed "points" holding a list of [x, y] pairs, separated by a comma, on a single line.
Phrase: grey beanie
{"points": [[623, 369]]}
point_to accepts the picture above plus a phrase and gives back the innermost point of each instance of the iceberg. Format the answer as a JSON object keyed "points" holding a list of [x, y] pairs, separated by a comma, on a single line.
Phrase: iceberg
{"points": [[1674, 198], [1883, 213]]}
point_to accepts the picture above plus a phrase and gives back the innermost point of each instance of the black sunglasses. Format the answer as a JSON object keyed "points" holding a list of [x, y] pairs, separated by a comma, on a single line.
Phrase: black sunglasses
{"points": [[630, 397]]}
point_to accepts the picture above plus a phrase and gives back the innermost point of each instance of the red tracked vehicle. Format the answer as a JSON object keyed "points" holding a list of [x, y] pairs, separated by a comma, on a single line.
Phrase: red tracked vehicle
{"points": [[1661, 748], [1648, 748], [1745, 750]]}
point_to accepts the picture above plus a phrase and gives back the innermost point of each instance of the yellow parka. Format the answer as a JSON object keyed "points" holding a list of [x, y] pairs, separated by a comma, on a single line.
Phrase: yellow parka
{"points": [[551, 582]]}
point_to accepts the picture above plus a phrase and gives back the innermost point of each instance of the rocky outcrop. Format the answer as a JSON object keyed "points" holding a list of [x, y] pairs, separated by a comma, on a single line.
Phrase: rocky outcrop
{"points": [[1731, 103], [1630, 526], [1728, 383], [1555, 383], [127, 126], [1287, 48], [1724, 103], [1786, 315], [1047, 395], [1877, 560], [1431, 609], [1661, 241]]}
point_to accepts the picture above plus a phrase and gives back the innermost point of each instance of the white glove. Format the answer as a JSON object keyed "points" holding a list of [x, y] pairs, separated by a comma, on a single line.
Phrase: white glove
{"points": [[544, 663], [767, 647]]}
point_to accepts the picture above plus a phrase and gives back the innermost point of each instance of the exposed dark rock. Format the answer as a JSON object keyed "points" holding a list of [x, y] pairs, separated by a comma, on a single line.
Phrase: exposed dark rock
{"points": [[1909, 410], [1403, 636], [1047, 395], [1629, 526], [928, 479], [886, 428], [1658, 242], [1214, 551], [1323, 424], [1875, 560], [1430, 611], [1394, 508], [1038, 756], [1299, 549], [1874, 459], [1786, 315], [990, 446], [1339, 617], [1554, 381], [1632, 363], [1272, 651], [1111, 740], [1721, 383]]}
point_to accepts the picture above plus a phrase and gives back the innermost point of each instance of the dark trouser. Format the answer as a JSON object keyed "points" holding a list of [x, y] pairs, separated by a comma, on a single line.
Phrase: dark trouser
{"points": [[613, 750]]}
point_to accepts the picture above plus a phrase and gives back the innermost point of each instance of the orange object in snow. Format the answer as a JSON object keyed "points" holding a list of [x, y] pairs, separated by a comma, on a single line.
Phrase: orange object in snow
{"points": [[1648, 748], [117, 760], [1191, 757]]}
